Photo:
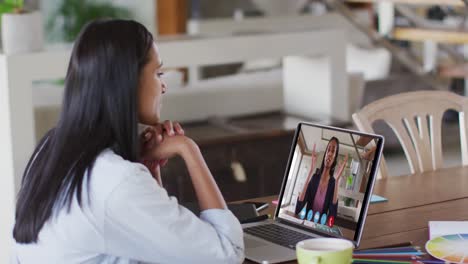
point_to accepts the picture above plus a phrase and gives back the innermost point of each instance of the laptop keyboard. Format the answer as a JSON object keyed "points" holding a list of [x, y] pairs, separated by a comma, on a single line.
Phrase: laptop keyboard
{"points": [[277, 234]]}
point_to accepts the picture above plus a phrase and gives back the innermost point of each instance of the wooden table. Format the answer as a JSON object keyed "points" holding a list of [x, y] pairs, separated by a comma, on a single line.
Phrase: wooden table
{"points": [[412, 201]]}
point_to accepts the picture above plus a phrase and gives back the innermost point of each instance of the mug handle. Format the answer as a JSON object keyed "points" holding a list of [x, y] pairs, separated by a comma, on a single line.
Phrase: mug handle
{"points": [[315, 260]]}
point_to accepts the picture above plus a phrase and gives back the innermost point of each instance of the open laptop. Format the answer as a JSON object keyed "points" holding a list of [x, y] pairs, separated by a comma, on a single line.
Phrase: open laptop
{"points": [[326, 203]]}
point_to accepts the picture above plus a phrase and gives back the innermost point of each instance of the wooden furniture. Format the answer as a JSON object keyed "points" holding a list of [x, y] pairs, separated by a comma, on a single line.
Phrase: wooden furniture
{"points": [[413, 200], [414, 2], [171, 17], [454, 71], [421, 34], [290, 23], [416, 119], [433, 36]]}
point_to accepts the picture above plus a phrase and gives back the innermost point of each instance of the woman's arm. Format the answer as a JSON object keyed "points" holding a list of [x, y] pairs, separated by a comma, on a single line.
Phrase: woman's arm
{"points": [[335, 192], [311, 172], [154, 135], [207, 191], [163, 141], [208, 194], [337, 177], [306, 185], [368, 155], [333, 209], [143, 223]]}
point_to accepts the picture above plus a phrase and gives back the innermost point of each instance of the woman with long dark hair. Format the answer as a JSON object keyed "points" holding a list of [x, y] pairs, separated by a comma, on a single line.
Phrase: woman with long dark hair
{"points": [[86, 197], [320, 191]]}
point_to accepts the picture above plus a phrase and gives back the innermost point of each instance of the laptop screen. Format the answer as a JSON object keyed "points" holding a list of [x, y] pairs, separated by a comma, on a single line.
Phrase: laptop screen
{"points": [[329, 180]]}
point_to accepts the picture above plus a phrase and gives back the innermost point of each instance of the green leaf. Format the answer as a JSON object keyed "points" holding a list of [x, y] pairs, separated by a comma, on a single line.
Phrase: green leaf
{"points": [[14, 3], [74, 14], [6, 8]]}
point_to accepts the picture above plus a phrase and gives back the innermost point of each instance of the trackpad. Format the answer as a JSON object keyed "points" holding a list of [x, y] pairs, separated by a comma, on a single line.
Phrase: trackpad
{"points": [[260, 251], [254, 243]]}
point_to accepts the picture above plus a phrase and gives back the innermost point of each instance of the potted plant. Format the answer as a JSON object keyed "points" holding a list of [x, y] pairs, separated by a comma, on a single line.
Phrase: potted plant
{"points": [[21, 30], [70, 16]]}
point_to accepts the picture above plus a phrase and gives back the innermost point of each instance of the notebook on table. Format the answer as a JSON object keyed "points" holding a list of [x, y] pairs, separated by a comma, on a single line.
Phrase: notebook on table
{"points": [[442, 228]]}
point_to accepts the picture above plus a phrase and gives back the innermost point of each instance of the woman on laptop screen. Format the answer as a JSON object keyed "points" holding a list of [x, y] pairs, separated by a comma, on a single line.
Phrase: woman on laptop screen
{"points": [[320, 192]]}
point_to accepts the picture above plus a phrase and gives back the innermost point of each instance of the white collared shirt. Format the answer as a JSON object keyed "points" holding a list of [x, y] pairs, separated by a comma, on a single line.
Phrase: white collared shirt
{"points": [[129, 218]]}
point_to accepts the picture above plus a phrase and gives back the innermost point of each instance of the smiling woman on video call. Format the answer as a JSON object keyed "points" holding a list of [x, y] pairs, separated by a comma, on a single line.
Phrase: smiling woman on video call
{"points": [[92, 190], [320, 192]]}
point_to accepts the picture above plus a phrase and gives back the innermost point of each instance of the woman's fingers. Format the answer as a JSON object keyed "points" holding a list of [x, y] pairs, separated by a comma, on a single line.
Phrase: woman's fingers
{"points": [[146, 135], [178, 129], [343, 165], [169, 128], [159, 133], [154, 136], [148, 138], [345, 161]]}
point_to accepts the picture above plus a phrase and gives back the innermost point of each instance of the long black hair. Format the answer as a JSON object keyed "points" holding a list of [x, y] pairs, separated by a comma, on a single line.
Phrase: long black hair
{"points": [[335, 160], [99, 111]]}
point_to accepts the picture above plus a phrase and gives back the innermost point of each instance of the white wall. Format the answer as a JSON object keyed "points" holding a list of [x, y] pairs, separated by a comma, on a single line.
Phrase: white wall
{"points": [[296, 162], [7, 203], [143, 10], [301, 178], [313, 135]]}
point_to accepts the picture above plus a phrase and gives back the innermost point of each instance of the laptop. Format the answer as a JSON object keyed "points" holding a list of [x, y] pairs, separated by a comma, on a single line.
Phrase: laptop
{"points": [[325, 192]]}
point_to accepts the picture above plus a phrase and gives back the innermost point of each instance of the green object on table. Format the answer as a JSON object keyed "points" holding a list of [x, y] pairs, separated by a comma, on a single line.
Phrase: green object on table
{"points": [[324, 251]]}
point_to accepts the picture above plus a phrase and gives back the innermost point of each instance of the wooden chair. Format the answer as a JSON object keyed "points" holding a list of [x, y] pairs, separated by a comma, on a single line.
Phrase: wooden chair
{"points": [[416, 119]]}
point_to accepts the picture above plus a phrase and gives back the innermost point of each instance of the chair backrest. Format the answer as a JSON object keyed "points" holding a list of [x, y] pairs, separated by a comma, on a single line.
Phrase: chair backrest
{"points": [[416, 119]]}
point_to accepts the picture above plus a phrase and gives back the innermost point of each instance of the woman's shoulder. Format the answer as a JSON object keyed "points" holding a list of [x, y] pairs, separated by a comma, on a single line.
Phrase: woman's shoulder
{"points": [[108, 161], [110, 169]]}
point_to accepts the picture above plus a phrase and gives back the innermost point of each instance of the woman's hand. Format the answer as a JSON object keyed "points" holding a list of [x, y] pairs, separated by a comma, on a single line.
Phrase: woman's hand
{"points": [[369, 155], [341, 168], [151, 137], [313, 162], [337, 177], [172, 144], [314, 156]]}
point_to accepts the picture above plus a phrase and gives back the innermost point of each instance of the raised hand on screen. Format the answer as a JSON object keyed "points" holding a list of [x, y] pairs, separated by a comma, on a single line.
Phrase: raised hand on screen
{"points": [[341, 167], [314, 157]]}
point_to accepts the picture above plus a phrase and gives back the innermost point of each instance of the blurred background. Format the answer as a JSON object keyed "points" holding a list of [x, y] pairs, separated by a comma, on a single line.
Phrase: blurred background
{"points": [[242, 73]]}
